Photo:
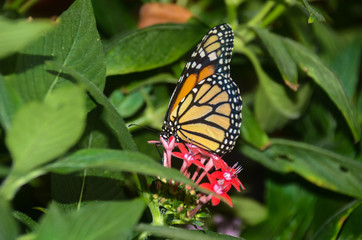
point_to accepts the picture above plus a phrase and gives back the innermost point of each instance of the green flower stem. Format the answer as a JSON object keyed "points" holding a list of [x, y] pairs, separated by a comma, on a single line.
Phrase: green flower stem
{"points": [[11, 4], [25, 7], [232, 7], [82, 189], [253, 59], [274, 14], [157, 218], [257, 19]]}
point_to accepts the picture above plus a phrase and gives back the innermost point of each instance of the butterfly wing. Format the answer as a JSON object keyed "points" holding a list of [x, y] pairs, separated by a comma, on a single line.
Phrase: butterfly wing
{"points": [[210, 115], [212, 55], [205, 107]]}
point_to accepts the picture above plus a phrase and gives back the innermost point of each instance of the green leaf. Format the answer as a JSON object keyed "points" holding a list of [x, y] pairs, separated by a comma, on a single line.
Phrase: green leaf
{"points": [[16, 34], [115, 160], [252, 132], [151, 47], [8, 228], [281, 57], [114, 119], [127, 105], [25, 219], [182, 234], [274, 107], [346, 66], [321, 167], [334, 225], [290, 211], [266, 114], [41, 132], [314, 14], [352, 226], [101, 220], [327, 80], [10, 102], [277, 94], [74, 42], [249, 210]]}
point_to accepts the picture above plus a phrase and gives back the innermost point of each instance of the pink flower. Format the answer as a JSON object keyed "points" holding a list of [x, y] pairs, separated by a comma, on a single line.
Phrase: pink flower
{"points": [[188, 156], [229, 175], [217, 188]]}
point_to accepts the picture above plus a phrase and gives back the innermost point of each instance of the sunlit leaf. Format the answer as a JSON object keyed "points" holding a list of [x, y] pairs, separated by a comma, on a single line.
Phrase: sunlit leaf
{"points": [[10, 102], [16, 34], [41, 131], [112, 116], [8, 228], [74, 42], [100, 220], [115, 160]]}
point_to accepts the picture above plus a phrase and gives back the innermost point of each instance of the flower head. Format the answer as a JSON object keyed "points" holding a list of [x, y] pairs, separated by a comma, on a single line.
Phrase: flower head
{"points": [[188, 156], [218, 188], [230, 176]]}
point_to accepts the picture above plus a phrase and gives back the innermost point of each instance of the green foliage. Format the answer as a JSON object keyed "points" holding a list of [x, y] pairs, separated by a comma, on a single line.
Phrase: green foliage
{"points": [[69, 88]]}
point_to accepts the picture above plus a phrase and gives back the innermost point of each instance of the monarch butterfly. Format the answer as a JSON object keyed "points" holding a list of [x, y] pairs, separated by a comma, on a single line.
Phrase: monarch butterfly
{"points": [[205, 107]]}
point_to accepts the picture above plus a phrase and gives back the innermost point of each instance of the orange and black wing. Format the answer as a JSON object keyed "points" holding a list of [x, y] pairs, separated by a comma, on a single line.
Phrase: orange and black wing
{"points": [[205, 108]]}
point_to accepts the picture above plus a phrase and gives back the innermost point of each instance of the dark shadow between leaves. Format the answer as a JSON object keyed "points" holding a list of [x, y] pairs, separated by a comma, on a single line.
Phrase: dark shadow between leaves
{"points": [[67, 188]]}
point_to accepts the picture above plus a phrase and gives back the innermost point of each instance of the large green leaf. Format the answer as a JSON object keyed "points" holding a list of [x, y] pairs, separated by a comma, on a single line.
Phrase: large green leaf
{"points": [[327, 80], [115, 160], [321, 167], [112, 116], [42, 131], [74, 42], [281, 57], [290, 211], [334, 225], [151, 47], [102, 220], [16, 34], [8, 228], [352, 225], [10, 102], [346, 65], [182, 234]]}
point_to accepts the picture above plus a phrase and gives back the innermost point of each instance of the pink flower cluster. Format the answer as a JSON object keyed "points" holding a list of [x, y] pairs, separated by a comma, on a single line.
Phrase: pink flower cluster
{"points": [[220, 177]]}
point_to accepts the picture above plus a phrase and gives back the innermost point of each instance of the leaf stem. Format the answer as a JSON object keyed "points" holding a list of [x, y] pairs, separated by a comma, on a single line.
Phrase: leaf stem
{"points": [[257, 19], [82, 190]]}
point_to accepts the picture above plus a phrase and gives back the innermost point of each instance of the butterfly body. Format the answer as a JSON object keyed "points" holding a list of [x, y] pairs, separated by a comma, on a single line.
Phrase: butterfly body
{"points": [[205, 107]]}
